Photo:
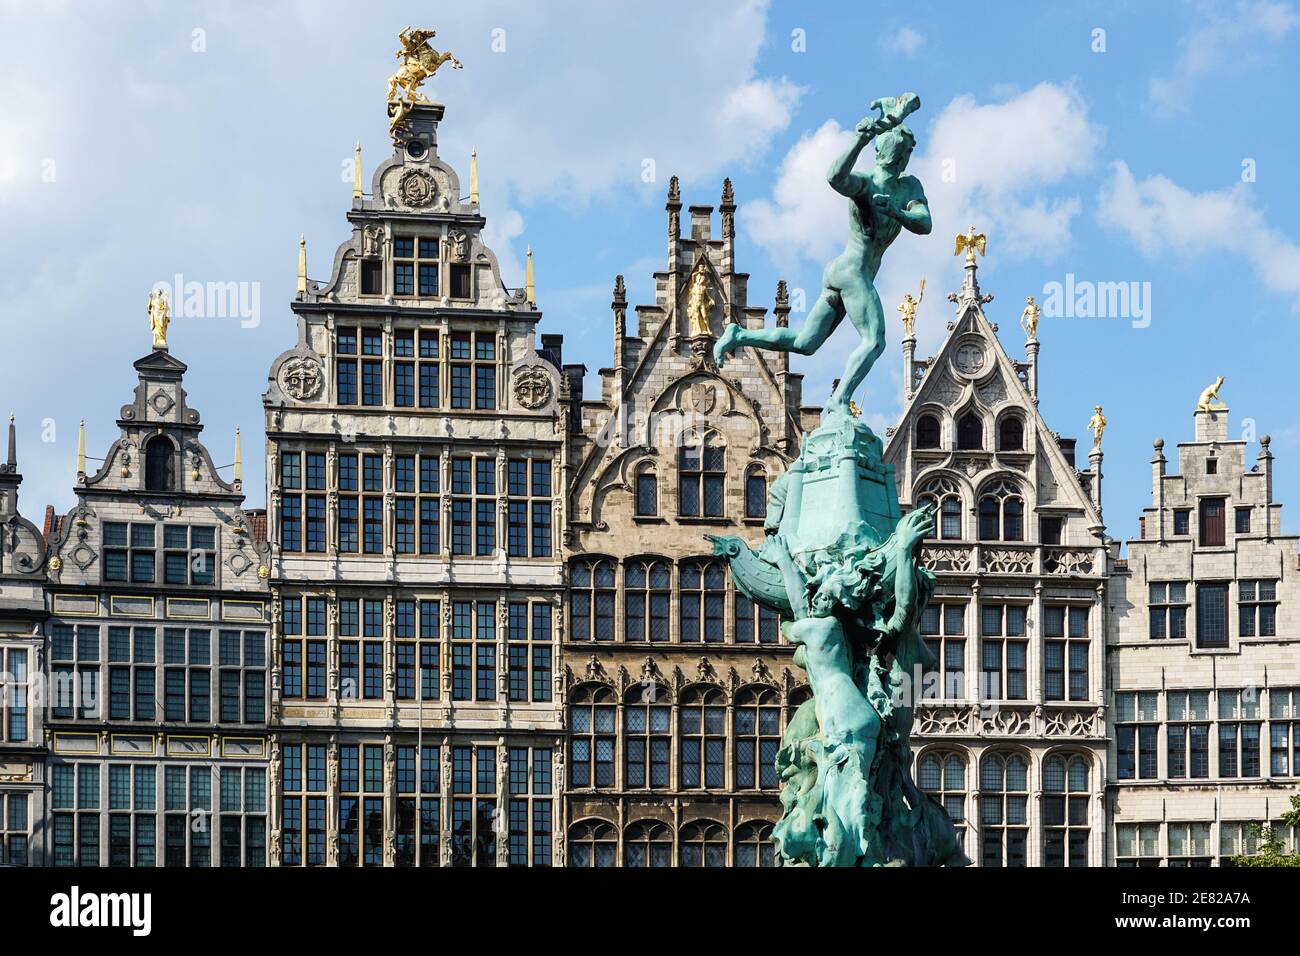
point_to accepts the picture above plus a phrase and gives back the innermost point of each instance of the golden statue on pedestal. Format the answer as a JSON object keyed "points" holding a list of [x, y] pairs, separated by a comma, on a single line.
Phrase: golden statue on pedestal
{"points": [[419, 62], [699, 303], [908, 309], [1029, 319], [971, 241], [1097, 425], [1211, 395], [159, 317]]}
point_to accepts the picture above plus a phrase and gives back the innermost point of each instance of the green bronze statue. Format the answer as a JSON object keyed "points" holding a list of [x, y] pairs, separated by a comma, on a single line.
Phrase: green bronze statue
{"points": [[882, 203], [841, 565]]}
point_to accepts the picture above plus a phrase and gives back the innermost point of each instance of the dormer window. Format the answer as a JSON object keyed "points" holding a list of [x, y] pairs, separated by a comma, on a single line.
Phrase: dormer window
{"points": [[159, 464], [927, 431], [970, 432], [1011, 434], [415, 266]]}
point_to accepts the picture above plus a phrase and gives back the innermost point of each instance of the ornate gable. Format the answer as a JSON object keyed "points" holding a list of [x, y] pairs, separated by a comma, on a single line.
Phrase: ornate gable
{"points": [[989, 429]]}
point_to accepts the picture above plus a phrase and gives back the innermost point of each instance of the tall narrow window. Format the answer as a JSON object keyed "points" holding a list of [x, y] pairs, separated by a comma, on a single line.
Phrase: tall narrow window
{"points": [[701, 472], [1065, 810], [755, 493], [1212, 615], [927, 431], [1137, 730], [1212, 522], [970, 432], [647, 493], [1004, 817], [159, 464], [1011, 434]]}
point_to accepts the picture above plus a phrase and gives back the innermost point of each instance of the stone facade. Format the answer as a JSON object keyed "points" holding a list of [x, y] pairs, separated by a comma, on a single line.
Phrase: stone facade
{"points": [[156, 719], [677, 687], [415, 451], [1010, 735], [22, 646], [1202, 662]]}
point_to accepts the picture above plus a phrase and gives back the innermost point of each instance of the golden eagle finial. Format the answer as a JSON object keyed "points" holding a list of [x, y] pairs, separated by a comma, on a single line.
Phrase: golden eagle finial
{"points": [[971, 241]]}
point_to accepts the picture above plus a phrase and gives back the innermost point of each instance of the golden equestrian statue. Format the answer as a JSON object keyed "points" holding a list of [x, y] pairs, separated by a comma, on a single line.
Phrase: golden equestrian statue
{"points": [[159, 317], [419, 62], [1211, 395], [970, 241], [1097, 425], [908, 308]]}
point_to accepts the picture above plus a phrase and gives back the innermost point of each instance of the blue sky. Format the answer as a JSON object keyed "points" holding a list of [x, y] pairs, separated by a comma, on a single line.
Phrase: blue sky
{"points": [[142, 140]]}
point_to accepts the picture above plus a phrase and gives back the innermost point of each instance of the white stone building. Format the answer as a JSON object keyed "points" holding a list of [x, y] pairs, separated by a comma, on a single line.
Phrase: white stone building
{"points": [[1011, 734], [1203, 667], [415, 459]]}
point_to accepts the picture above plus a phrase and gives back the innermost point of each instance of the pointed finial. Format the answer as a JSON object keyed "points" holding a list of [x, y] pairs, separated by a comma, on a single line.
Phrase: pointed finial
{"points": [[530, 286], [674, 190], [239, 458], [620, 290], [728, 195], [13, 445], [302, 265], [81, 448], [356, 172], [473, 176]]}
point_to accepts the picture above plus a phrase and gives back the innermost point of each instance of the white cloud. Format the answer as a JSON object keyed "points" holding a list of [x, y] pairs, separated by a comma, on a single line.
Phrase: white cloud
{"points": [[996, 165], [1160, 217], [906, 41], [1222, 40]]}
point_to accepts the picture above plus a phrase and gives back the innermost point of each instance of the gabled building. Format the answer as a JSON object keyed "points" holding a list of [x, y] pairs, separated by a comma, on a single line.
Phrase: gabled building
{"points": [[1202, 659], [156, 667], [677, 686], [22, 617], [1010, 735], [415, 463]]}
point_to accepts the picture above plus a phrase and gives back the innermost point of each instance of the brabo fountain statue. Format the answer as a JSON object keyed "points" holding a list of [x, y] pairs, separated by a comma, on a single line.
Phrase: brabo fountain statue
{"points": [[839, 563]]}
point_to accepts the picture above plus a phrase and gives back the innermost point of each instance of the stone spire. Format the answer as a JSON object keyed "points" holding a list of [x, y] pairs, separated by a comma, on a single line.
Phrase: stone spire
{"points": [[302, 265], [356, 172], [473, 176]]}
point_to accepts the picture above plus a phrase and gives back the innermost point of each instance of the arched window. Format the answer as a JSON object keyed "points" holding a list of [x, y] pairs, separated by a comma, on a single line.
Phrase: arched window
{"points": [[703, 600], [942, 494], [701, 468], [592, 719], [592, 843], [927, 431], [704, 843], [159, 464], [1002, 513], [702, 724], [755, 492], [757, 737], [942, 774], [1065, 810], [970, 431], [754, 844], [1011, 434], [647, 492], [647, 843], [1004, 816], [647, 737], [647, 599], [591, 600]]}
